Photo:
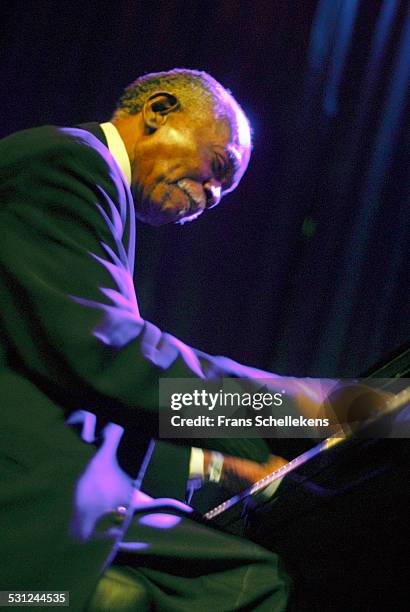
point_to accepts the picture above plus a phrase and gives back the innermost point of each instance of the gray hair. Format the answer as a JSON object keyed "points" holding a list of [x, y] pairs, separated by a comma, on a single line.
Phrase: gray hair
{"points": [[197, 92]]}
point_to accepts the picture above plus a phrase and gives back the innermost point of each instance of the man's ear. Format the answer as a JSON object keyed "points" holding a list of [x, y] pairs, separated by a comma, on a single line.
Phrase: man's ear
{"points": [[157, 107]]}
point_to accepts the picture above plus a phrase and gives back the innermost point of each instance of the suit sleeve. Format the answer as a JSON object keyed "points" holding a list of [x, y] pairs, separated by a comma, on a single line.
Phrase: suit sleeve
{"points": [[70, 308]]}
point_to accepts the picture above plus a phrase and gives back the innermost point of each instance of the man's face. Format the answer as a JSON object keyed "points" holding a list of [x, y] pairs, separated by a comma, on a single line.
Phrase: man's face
{"points": [[185, 167]]}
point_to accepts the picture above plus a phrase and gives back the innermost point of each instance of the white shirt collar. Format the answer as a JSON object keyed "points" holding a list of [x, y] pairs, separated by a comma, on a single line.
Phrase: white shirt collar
{"points": [[117, 149]]}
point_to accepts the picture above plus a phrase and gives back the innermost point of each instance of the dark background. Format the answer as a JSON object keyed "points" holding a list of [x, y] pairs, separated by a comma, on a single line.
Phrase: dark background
{"points": [[304, 269]]}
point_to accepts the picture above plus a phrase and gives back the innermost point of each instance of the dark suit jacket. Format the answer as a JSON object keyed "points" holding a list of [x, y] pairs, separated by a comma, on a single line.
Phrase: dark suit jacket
{"points": [[72, 341]]}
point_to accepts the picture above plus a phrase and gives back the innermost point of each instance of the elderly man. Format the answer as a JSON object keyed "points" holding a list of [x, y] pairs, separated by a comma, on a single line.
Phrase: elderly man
{"points": [[75, 349]]}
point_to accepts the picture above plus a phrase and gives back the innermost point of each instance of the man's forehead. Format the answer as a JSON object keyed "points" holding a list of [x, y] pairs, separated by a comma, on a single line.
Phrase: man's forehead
{"points": [[238, 147], [236, 133], [225, 113], [242, 129], [236, 118]]}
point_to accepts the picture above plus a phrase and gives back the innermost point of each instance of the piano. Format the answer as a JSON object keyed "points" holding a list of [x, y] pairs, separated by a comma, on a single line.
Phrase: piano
{"points": [[340, 518]]}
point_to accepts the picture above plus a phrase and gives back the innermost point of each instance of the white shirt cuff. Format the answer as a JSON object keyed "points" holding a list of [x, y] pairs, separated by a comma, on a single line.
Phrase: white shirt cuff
{"points": [[196, 463]]}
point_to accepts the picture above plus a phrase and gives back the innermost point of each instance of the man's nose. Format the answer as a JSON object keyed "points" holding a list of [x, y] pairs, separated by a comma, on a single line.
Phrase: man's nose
{"points": [[213, 193]]}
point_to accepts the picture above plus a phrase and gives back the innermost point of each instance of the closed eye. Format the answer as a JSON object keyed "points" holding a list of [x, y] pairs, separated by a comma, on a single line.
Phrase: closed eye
{"points": [[225, 168], [220, 167]]}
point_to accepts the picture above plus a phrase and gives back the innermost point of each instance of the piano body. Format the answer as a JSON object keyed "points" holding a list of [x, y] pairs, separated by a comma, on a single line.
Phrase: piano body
{"points": [[340, 520]]}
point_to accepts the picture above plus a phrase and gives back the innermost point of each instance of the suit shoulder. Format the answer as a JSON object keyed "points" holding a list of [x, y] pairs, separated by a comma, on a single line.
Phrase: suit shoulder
{"points": [[40, 139], [63, 148]]}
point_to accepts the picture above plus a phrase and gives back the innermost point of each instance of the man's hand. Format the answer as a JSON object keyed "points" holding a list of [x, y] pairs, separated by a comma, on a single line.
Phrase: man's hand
{"points": [[351, 405], [238, 474]]}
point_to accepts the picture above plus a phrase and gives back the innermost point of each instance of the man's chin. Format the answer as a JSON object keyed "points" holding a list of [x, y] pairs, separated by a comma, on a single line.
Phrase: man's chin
{"points": [[154, 220], [157, 216]]}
